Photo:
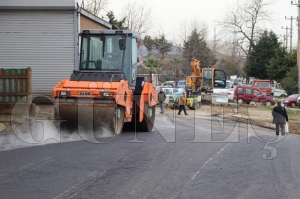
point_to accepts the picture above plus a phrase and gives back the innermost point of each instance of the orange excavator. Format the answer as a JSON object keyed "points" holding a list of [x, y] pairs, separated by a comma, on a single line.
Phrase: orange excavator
{"points": [[104, 90]]}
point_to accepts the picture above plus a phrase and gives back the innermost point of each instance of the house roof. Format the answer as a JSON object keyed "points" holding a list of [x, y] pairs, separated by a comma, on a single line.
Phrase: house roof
{"points": [[38, 5]]}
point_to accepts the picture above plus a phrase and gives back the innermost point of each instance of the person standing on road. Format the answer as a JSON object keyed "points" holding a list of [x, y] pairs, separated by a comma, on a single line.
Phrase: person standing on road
{"points": [[280, 117], [182, 103], [161, 100]]}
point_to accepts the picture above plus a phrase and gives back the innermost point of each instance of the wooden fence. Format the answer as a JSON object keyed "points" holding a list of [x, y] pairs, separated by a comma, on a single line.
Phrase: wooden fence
{"points": [[15, 85]]}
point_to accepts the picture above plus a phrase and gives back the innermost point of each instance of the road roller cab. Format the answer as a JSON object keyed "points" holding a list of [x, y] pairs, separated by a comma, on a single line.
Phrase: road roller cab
{"points": [[104, 91]]}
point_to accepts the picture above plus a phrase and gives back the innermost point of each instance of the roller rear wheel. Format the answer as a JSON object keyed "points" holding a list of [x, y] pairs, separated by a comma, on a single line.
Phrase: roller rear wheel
{"points": [[118, 119], [149, 117]]}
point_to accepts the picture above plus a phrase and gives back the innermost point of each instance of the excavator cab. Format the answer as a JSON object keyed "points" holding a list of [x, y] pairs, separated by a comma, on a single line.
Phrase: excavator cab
{"points": [[213, 78]]}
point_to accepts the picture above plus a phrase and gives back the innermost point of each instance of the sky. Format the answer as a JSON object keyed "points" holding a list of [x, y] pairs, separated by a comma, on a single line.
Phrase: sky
{"points": [[169, 14]]}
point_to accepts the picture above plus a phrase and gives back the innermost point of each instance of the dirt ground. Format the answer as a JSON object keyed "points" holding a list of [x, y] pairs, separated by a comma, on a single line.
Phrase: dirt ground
{"points": [[255, 114]]}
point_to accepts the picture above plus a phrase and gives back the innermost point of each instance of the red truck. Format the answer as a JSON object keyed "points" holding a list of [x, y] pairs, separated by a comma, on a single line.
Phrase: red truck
{"points": [[264, 85]]}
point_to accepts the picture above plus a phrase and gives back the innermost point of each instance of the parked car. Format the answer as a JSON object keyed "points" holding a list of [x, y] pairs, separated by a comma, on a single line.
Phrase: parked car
{"points": [[247, 94], [157, 88], [181, 84], [278, 91], [170, 91], [168, 84], [291, 100], [228, 89], [174, 98], [235, 82], [229, 84], [172, 83]]}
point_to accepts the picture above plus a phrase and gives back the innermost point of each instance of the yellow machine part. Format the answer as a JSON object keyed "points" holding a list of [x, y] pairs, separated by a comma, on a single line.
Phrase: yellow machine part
{"points": [[193, 102]]}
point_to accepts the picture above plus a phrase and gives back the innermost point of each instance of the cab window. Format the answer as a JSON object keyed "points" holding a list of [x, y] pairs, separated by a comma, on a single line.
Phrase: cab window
{"points": [[248, 91], [240, 90], [257, 92]]}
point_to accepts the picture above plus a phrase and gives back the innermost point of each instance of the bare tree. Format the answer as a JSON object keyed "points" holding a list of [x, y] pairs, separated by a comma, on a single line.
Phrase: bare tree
{"points": [[138, 16], [185, 30], [94, 7], [242, 23]]}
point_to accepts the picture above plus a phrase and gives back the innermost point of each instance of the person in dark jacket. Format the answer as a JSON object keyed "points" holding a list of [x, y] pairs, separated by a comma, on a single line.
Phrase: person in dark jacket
{"points": [[161, 100], [280, 117], [182, 103]]}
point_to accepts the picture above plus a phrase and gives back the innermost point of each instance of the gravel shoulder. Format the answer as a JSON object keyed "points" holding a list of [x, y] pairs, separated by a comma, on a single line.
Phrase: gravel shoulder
{"points": [[255, 114]]}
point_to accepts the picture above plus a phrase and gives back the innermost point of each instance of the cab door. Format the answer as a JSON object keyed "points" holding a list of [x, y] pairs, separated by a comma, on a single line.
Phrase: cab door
{"points": [[259, 96]]}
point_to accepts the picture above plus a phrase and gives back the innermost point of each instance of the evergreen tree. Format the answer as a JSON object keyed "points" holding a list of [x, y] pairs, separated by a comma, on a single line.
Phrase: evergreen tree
{"points": [[290, 81], [261, 53], [149, 44], [120, 24], [196, 47], [162, 45], [279, 65]]}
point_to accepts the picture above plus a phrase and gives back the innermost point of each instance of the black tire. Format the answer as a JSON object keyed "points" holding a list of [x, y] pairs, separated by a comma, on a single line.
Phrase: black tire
{"points": [[149, 116], [172, 107], [268, 103], [293, 105], [240, 101]]}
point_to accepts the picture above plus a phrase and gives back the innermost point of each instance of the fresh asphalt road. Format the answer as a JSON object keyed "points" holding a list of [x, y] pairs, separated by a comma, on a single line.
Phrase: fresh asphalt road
{"points": [[194, 156]]}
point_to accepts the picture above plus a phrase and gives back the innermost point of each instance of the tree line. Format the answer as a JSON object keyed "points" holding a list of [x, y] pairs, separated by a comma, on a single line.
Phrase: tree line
{"points": [[241, 46]]}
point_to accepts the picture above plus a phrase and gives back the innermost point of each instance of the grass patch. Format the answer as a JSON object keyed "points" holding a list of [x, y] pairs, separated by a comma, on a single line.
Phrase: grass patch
{"points": [[293, 113]]}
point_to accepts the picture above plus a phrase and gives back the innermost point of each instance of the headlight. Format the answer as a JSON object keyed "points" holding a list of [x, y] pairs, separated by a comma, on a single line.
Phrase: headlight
{"points": [[63, 93], [105, 94]]}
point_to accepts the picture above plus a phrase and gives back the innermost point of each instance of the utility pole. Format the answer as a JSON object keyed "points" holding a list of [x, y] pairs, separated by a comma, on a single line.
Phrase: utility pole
{"points": [[286, 38], [298, 48], [291, 32]]}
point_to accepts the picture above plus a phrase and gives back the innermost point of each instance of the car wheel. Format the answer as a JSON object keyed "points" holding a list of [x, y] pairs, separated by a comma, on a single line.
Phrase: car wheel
{"points": [[268, 103], [240, 101], [293, 105]]}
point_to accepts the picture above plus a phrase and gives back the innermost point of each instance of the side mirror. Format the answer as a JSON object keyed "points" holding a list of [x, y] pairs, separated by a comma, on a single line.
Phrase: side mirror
{"points": [[122, 44]]}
